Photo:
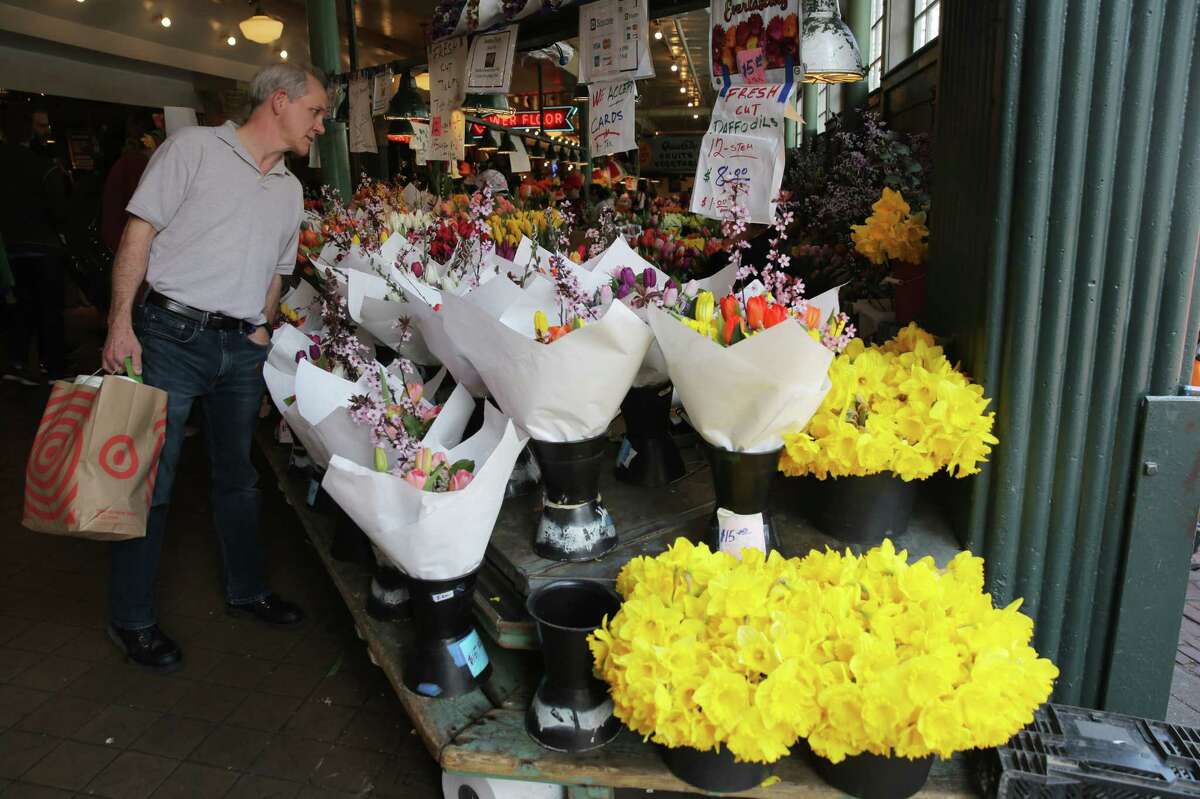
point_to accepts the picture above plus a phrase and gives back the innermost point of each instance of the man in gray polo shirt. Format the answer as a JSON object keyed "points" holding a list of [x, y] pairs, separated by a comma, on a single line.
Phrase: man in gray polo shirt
{"points": [[214, 226]]}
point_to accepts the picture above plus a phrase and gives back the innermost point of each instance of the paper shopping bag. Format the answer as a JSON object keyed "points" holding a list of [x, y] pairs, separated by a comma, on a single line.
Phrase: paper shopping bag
{"points": [[91, 471]]}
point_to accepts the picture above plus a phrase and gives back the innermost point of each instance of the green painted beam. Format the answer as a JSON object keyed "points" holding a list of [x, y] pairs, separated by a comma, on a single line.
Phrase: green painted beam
{"points": [[858, 17], [324, 46], [810, 112]]}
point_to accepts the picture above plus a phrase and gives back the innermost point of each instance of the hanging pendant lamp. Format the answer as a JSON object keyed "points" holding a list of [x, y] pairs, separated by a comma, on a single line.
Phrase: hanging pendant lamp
{"points": [[827, 47], [260, 27]]}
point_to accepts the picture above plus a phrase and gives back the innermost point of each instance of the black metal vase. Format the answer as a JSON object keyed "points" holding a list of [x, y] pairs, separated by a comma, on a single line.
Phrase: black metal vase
{"points": [[742, 484], [869, 776], [862, 511], [574, 524], [446, 658], [716, 772], [389, 597], [648, 455], [571, 710]]}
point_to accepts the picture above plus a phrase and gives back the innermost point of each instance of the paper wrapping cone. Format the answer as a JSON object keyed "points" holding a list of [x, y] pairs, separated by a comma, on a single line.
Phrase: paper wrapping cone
{"points": [[433, 536], [305, 300], [566, 391], [323, 403], [745, 397], [653, 371], [369, 306]]}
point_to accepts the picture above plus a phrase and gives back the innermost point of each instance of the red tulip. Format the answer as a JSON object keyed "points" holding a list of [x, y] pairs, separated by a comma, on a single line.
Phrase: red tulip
{"points": [[812, 317], [729, 307], [731, 324], [755, 308], [773, 315]]}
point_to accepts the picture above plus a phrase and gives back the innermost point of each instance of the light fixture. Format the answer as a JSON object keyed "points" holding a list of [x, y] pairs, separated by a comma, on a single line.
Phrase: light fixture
{"points": [[827, 47], [690, 104], [261, 28], [165, 21], [231, 41], [283, 54], [657, 33], [486, 104], [422, 81], [406, 103], [695, 116], [683, 89], [674, 67]]}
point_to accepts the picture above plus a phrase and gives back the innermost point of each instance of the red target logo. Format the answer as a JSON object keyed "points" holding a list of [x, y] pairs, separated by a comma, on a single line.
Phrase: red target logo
{"points": [[119, 457], [50, 484]]}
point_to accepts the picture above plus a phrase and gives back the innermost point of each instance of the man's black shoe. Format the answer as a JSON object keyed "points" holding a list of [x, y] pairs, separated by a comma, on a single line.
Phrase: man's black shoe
{"points": [[271, 609], [148, 647]]}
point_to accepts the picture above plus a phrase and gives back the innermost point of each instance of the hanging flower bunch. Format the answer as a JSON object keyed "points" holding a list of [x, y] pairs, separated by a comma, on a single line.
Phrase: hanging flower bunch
{"points": [[856, 654], [892, 232], [432, 471], [902, 408]]}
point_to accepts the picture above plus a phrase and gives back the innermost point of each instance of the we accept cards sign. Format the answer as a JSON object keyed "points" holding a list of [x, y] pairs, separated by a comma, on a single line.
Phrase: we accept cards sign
{"points": [[742, 155], [610, 123]]}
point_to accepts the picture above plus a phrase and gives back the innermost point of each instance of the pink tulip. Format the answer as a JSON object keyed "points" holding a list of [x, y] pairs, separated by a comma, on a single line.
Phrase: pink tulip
{"points": [[414, 390], [438, 459], [416, 477], [460, 480], [430, 413]]}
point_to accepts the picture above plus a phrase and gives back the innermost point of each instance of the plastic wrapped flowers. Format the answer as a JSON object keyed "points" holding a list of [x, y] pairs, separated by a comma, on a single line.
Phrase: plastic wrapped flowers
{"points": [[855, 654], [902, 408]]}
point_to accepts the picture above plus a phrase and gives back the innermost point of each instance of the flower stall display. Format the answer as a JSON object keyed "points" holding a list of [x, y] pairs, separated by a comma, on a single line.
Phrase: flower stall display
{"points": [[896, 236], [777, 350], [878, 663], [563, 392], [382, 308], [436, 537], [896, 413]]}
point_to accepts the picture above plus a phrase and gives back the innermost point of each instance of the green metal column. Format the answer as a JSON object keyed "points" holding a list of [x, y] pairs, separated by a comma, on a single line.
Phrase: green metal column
{"points": [[324, 44], [1063, 271], [858, 17], [810, 112]]}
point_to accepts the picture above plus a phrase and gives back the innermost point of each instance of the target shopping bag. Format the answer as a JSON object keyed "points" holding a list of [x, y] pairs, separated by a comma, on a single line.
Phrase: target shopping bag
{"points": [[91, 471]]}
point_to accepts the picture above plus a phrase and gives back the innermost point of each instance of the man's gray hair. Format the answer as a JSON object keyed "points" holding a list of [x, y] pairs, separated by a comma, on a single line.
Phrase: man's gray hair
{"points": [[292, 78]]}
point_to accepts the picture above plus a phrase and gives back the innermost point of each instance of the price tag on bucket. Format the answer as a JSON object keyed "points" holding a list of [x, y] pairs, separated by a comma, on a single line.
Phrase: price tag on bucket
{"points": [[469, 652], [741, 531]]}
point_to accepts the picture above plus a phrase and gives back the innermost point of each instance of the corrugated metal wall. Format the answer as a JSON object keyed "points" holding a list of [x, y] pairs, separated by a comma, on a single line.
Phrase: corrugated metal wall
{"points": [[1063, 267]]}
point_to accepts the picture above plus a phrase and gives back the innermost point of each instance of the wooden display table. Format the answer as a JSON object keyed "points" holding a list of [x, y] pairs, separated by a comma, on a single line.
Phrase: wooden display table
{"points": [[483, 733]]}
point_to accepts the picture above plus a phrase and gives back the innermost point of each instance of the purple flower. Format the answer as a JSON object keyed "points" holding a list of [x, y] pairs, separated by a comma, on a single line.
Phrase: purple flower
{"points": [[300, 356], [623, 290], [314, 352], [628, 278], [649, 279]]}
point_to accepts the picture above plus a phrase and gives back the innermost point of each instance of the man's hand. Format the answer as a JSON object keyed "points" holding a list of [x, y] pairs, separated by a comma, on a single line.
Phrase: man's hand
{"points": [[122, 343], [260, 336]]}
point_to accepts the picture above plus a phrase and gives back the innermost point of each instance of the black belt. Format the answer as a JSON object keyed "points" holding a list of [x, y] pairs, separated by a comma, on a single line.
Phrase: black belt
{"points": [[207, 319]]}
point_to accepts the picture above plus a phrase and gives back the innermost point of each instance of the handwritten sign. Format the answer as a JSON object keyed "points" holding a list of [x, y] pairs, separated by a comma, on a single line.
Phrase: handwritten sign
{"points": [[610, 123], [381, 93], [740, 531], [447, 78], [738, 26], [491, 61], [742, 155], [469, 652], [752, 65], [673, 154]]}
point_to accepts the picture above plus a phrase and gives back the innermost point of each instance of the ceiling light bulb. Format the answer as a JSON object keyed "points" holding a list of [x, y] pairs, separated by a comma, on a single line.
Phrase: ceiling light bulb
{"points": [[683, 89], [695, 116], [657, 34], [283, 54], [165, 22], [231, 41], [690, 104], [674, 67]]}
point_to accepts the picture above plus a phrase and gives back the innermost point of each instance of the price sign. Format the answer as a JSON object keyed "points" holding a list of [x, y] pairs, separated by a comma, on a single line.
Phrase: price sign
{"points": [[447, 77], [741, 531], [752, 65]]}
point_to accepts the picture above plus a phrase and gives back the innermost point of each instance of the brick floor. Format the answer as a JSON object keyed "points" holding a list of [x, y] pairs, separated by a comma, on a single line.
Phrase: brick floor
{"points": [[1184, 707], [254, 712]]}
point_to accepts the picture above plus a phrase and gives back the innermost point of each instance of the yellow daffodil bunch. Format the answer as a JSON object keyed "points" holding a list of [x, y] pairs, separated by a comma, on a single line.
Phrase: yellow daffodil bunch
{"points": [[892, 232], [509, 228], [855, 654], [900, 407]]}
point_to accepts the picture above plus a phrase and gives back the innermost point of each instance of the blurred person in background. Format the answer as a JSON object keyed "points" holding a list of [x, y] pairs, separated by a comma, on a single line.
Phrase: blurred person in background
{"points": [[123, 178]]}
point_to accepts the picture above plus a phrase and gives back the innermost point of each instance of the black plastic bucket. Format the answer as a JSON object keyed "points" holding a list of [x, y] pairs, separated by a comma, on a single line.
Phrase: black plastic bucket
{"points": [[862, 511], [712, 771], [648, 455], [574, 524], [869, 776], [447, 657], [742, 483], [571, 710]]}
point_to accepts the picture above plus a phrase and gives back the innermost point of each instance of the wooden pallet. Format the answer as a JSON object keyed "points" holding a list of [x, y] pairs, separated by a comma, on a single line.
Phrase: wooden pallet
{"points": [[483, 733]]}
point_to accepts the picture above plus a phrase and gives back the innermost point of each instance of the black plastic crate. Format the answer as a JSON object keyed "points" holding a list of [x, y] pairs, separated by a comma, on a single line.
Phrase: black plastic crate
{"points": [[1077, 753]]}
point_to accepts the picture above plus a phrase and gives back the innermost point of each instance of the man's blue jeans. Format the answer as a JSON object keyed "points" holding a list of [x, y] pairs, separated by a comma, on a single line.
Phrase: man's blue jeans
{"points": [[223, 370]]}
